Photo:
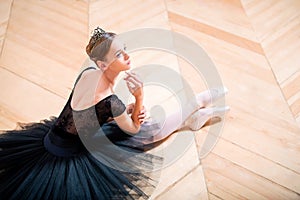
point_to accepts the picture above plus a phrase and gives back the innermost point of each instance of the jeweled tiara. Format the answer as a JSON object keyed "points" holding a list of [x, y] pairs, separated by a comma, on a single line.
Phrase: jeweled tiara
{"points": [[98, 33]]}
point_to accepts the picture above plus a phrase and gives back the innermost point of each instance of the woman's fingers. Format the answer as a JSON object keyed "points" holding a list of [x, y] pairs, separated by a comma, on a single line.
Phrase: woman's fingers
{"points": [[143, 111], [130, 87], [130, 73], [134, 81], [133, 76], [129, 108], [133, 85], [142, 116]]}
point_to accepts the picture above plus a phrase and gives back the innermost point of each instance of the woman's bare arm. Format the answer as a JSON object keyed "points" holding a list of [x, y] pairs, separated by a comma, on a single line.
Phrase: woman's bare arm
{"points": [[132, 124]]}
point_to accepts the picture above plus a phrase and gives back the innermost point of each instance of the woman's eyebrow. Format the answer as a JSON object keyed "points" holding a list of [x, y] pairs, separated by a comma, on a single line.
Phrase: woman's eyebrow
{"points": [[118, 51]]}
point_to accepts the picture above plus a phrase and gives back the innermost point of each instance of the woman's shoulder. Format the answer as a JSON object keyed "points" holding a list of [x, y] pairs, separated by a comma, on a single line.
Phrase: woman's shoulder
{"points": [[88, 98], [99, 103], [86, 90]]}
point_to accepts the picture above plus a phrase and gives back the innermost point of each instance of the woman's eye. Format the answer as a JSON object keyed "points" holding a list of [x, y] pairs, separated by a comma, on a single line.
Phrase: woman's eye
{"points": [[119, 55], [125, 48]]}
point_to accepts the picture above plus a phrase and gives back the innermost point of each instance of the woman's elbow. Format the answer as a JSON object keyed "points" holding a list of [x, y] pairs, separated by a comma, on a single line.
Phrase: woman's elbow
{"points": [[135, 129]]}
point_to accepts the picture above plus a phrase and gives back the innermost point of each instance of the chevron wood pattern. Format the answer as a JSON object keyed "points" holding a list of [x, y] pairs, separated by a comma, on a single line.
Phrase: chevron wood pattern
{"points": [[254, 45]]}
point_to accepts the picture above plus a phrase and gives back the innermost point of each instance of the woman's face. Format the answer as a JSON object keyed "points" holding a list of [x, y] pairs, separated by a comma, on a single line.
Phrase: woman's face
{"points": [[117, 58]]}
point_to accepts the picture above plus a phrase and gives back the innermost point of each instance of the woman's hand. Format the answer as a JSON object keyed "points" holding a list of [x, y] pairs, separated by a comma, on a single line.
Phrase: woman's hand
{"points": [[129, 108], [134, 84], [141, 116]]}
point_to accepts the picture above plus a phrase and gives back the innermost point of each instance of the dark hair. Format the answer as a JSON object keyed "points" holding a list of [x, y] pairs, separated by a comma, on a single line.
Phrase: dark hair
{"points": [[99, 44]]}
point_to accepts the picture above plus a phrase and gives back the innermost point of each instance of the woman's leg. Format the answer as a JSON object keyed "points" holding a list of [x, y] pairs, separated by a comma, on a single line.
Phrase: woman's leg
{"points": [[190, 105]]}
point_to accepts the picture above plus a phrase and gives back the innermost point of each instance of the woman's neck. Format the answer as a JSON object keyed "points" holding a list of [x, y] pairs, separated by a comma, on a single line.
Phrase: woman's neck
{"points": [[110, 77]]}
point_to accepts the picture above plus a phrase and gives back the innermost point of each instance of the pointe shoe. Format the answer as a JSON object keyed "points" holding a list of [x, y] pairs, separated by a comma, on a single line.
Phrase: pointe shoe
{"points": [[214, 95], [200, 117]]}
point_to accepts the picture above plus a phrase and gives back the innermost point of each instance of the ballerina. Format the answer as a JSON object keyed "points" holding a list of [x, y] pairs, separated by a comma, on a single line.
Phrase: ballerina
{"points": [[48, 160]]}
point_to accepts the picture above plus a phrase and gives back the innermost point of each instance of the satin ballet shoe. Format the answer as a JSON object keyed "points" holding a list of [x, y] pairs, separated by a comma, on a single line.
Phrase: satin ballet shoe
{"points": [[210, 96], [200, 117]]}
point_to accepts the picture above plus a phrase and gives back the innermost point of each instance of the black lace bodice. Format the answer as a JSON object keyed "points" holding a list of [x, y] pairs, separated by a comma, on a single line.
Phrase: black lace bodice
{"points": [[89, 120]]}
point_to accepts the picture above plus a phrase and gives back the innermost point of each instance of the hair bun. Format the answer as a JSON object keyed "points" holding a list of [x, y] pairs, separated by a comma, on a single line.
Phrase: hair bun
{"points": [[102, 37]]}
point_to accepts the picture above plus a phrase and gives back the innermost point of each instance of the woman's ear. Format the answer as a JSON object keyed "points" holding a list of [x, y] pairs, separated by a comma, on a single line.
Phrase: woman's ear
{"points": [[102, 65]]}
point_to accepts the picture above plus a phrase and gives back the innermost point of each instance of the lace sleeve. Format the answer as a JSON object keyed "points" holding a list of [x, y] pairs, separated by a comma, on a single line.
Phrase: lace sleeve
{"points": [[117, 106]]}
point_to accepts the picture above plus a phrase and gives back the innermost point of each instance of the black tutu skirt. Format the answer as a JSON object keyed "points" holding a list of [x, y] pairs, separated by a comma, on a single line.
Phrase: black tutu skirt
{"points": [[28, 170]]}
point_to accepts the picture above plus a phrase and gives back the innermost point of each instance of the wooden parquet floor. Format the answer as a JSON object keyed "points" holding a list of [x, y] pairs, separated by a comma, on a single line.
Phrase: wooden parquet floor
{"points": [[253, 44]]}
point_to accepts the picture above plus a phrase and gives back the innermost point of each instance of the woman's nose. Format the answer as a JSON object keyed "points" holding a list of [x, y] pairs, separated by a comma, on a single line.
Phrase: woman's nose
{"points": [[126, 56]]}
